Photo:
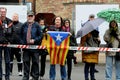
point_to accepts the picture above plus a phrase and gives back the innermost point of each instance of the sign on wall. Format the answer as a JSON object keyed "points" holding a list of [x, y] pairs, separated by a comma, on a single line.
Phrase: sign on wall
{"points": [[19, 9]]}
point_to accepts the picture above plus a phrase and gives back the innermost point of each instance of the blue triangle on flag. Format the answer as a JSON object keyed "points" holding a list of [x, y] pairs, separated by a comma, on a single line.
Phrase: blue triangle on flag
{"points": [[57, 36]]}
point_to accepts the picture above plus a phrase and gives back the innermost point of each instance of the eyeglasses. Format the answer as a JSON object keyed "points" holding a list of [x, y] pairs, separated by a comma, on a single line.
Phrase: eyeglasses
{"points": [[30, 15]]}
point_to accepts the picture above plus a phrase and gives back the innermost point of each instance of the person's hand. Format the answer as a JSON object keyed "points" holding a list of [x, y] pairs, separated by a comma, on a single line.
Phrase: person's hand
{"points": [[113, 33], [32, 41], [70, 34], [98, 39]]}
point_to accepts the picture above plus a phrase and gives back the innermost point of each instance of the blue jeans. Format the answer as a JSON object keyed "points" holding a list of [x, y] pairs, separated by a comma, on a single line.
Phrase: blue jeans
{"points": [[53, 72], [7, 61], [109, 67]]}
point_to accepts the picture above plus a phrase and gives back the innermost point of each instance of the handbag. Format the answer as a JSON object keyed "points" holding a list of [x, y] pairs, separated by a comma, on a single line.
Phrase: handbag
{"points": [[117, 56]]}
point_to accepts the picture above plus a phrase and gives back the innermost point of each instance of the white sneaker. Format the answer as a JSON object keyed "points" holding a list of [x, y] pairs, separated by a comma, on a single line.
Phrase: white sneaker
{"points": [[31, 78], [20, 73], [41, 78]]}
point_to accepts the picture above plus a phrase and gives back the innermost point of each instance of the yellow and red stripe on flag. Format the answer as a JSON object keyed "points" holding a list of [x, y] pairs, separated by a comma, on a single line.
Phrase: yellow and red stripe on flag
{"points": [[57, 44]]}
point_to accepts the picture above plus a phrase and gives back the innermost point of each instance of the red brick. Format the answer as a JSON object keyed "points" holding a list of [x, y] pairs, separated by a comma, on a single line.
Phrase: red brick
{"points": [[62, 7]]}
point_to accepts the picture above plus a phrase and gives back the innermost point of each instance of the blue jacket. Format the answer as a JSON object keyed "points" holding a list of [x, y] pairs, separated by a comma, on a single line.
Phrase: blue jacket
{"points": [[36, 33]]}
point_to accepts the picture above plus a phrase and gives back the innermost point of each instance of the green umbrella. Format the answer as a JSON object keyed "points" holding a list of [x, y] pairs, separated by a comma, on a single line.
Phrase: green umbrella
{"points": [[110, 14]]}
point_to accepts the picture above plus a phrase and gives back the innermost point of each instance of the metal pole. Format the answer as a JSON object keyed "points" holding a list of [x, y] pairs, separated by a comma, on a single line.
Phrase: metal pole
{"points": [[73, 19]]}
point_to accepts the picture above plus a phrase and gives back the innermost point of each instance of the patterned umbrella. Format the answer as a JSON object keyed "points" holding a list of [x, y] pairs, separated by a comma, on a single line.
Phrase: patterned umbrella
{"points": [[110, 14]]}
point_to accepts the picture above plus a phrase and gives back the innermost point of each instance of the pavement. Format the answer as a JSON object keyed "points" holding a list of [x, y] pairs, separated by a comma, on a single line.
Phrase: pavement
{"points": [[77, 72]]}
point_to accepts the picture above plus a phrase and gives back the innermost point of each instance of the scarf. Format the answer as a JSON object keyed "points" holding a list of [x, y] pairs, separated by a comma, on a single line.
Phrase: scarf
{"points": [[113, 29]]}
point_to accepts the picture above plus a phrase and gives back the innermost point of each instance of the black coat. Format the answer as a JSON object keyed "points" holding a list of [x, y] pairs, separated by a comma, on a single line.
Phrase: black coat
{"points": [[16, 33], [6, 33], [73, 42]]}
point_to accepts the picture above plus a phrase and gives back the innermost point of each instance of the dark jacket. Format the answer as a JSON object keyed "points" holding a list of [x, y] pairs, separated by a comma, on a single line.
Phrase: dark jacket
{"points": [[2, 36], [16, 33], [36, 33], [6, 33], [73, 42]]}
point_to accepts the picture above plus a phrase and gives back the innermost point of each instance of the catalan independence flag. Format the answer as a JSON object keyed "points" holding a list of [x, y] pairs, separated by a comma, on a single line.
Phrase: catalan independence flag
{"points": [[57, 45]]}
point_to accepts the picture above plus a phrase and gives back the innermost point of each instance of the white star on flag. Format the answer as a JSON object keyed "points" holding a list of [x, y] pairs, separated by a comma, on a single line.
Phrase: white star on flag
{"points": [[58, 37]]}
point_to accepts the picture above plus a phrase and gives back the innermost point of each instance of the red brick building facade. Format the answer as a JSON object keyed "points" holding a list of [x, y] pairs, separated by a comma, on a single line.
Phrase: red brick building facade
{"points": [[64, 8]]}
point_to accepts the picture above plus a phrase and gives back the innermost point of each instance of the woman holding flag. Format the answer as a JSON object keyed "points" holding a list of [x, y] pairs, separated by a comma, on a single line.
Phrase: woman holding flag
{"points": [[55, 57]]}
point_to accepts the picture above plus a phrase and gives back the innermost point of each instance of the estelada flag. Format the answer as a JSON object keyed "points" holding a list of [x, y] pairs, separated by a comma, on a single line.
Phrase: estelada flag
{"points": [[57, 44]]}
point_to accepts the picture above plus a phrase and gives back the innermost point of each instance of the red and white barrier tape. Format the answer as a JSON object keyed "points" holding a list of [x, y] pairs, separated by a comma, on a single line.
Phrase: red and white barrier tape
{"points": [[70, 48], [23, 46], [102, 49]]}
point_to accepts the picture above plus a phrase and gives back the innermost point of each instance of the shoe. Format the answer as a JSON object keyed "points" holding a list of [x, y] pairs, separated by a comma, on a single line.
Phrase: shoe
{"points": [[20, 73], [96, 71], [41, 78], [10, 73], [75, 62], [31, 78]]}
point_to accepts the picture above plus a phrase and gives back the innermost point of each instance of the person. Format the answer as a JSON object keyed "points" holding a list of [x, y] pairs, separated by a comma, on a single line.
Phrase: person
{"points": [[31, 35], [58, 22], [90, 58], [43, 52], [70, 55], [111, 37], [91, 17], [16, 40], [5, 34]]}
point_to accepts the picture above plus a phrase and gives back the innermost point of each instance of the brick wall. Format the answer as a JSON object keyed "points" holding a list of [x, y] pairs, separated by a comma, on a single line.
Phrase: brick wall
{"points": [[64, 8], [54, 6]]}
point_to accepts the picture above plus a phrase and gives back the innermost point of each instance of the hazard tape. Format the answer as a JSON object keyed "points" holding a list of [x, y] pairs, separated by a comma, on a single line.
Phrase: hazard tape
{"points": [[102, 49], [23, 46]]}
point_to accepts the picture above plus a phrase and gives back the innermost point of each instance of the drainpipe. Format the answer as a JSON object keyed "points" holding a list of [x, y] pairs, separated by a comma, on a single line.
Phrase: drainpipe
{"points": [[34, 6]]}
